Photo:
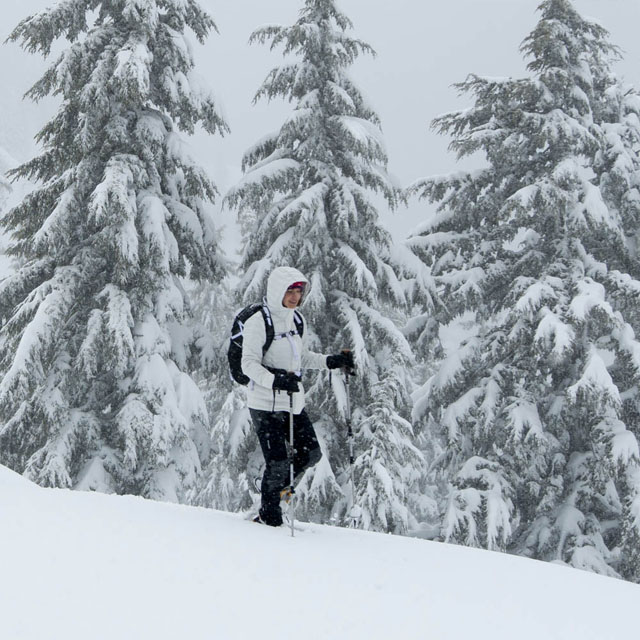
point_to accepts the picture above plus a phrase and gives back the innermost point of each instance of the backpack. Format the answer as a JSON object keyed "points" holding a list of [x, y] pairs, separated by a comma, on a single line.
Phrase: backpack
{"points": [[234, 355]]}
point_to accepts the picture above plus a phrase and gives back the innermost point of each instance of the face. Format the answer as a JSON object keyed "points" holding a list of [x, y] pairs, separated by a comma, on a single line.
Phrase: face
{"points": [[292, 298]]}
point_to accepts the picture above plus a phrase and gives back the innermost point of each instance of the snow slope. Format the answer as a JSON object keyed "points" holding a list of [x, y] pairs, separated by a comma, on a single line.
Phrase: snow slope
{"points": [[78, 566]]}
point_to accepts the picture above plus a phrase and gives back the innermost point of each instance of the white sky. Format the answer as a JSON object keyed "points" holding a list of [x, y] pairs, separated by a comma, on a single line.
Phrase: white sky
{"points": [[423, 48]]}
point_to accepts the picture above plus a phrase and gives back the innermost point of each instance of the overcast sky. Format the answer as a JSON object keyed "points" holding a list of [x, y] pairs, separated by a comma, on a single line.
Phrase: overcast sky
{"points": [[423, 47]]}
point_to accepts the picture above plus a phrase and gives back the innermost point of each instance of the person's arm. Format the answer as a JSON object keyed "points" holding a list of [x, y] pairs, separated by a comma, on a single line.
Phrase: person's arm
{"points": [[254, 337], [312, 360]]}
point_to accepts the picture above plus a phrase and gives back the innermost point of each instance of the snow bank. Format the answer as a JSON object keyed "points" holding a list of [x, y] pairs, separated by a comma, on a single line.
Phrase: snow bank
{"points": [[79, 565]]}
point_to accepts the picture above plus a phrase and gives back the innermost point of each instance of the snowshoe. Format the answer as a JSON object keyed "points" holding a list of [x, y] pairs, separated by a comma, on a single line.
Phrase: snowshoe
{"points": [[259, 520]]}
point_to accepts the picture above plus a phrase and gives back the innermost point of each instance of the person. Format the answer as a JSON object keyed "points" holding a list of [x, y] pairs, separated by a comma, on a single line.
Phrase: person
{"points": [[275, 375]]}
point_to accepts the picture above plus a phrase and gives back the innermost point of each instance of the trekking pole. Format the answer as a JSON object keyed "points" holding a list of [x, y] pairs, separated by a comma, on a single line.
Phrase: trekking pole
{"points": [[353, 511], [292, 508]]}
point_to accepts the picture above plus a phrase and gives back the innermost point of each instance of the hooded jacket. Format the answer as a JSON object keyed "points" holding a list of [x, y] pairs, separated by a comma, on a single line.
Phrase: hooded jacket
{"points": [[289, 353]]}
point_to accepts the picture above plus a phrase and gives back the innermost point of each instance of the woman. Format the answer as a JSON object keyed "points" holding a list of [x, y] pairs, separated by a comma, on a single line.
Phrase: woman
{"points": [[275, 375]]}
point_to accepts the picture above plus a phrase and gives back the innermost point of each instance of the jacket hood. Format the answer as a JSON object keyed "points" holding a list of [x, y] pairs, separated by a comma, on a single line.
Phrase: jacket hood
{"points": [[280, 279]]}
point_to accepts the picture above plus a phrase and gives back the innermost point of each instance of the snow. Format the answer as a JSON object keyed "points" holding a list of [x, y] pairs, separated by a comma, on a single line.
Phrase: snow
{"points": [[551, 326], [457, 411], [364, 279], [51, 299], [595, 376], [590, 295], [362, 131], [132, 67], [534, 295], [272, 171], [525, 417], [624, 445], [56, 219], [81, 565]]}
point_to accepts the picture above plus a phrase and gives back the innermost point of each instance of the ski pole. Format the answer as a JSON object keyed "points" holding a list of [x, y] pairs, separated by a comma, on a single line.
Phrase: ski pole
{"points": [[292, 509]]}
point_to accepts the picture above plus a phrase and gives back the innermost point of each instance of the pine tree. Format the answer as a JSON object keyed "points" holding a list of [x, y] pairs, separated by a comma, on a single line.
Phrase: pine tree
{"points": [[618, 169], [535, 254], [96, 345], [306, 201]]}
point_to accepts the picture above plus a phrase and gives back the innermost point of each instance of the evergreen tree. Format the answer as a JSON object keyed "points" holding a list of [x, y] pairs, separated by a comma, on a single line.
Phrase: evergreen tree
{"points": [[536, 256], [96, 344], [306, 201]]}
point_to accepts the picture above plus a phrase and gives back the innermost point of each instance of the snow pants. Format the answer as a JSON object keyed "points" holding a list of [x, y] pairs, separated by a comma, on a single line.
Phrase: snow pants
{"points": [[273, 432]]}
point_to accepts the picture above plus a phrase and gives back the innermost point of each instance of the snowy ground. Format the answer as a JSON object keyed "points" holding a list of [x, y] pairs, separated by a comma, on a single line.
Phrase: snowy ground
{"points": [[79, 566]]}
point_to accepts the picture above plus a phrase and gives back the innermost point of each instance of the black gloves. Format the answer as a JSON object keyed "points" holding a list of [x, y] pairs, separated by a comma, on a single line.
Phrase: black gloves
{"points": [[286, 381], [343, 360]]}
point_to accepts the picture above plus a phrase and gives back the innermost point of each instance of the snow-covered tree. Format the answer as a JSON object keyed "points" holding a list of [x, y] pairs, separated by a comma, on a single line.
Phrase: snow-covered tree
{"points": [[536, 402], [305, 201], [96, 345]]}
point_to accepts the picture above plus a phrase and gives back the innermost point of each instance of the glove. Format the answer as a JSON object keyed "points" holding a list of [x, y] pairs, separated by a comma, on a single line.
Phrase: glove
{"points": [[343, 360], [286, 381]]}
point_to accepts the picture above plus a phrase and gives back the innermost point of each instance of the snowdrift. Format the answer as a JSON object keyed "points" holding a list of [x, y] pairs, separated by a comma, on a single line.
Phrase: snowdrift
{"points": [[77, 565]]}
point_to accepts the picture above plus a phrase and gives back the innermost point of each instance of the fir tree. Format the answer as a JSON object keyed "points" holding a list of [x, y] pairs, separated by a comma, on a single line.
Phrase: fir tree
{"points": [[306, 199], [96, 346], [535, 253]]}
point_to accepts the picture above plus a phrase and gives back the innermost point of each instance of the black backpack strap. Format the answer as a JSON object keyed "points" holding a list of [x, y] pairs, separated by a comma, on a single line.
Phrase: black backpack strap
{"points": [[268, 328], [299, 322]]}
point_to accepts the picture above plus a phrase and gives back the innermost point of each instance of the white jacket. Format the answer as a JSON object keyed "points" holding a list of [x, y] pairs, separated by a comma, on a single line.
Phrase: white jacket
{"points": [[288, 353]]}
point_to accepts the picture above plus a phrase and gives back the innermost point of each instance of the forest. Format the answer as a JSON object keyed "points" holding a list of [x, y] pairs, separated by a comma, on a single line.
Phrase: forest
{"points": [[497, 396]]}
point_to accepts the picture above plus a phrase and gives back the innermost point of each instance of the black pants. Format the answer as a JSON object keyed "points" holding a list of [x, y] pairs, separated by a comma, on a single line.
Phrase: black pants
{"points": [[273, 432]]}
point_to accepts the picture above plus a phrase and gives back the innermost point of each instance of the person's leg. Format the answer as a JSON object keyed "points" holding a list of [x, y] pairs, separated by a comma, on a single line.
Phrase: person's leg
{"points": [[272, 430], [306, 447]]}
